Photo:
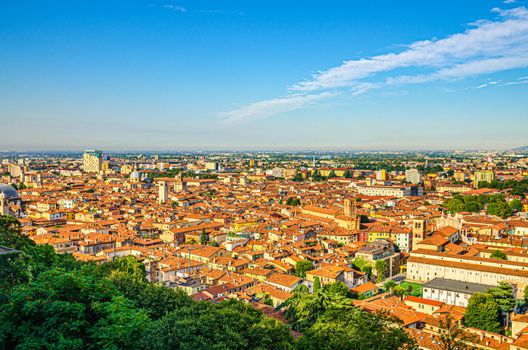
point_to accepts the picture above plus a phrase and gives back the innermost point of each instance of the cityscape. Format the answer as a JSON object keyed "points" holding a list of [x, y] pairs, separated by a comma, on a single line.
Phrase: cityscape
{"points": [[264, 175]]}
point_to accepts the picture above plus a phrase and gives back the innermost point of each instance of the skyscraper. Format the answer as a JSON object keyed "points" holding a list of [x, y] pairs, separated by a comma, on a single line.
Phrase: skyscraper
{"points": [[92, 161]]}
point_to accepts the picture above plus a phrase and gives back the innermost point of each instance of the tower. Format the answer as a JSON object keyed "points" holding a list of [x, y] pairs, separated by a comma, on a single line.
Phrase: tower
{"points": [[418, 232], [349, 208], [180, 185], [163, 192]]}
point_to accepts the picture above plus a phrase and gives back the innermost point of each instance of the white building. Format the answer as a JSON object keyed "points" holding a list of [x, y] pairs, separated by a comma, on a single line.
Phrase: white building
{"points": [[163, 192], [390, 191], [452, 292], [413, 176]]}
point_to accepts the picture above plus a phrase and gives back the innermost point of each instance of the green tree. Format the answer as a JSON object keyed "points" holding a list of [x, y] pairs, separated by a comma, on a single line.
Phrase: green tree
{"points": [[317, 284], [389, 285], [516, 205], [347, 174], [157, 300], [56, 310], [472, 206], [301, 267], [499, 208], [203, 237], [400, 291], [304, 308], [354, 329], [498, 254], [505, 298], [337, 288], [482, 312], [120, 325], [455, 205], [298, 177], [381, 270], [228, 325]]}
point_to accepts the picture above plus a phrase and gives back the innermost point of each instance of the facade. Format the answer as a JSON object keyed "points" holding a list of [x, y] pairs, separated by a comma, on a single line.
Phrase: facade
{"points": [[381, 249], [413, 176], [452, 292], [163, 192], [212, 166], [479, 176], [425, 265], [390, 191], [8, 197], [92, 161], [278, 172]]}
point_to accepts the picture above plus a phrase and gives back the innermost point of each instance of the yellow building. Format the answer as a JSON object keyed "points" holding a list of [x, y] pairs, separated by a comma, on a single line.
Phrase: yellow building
{"points": [[485, 175], [240, 225], [92, 161], [339, 172], [381, 175], [126, 169], [459, 176]]}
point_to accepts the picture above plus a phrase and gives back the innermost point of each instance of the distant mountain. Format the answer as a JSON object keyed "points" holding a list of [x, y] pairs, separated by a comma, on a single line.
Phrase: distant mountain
{"points": [[522, 149]]}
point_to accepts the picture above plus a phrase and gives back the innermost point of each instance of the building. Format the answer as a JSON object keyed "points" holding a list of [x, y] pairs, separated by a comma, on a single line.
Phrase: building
{"points": [[381, 175], [92, 161], [479, 176], [278, 172], [212, 166], [384, 250], [452, 188], [452, 292], [8, 197], [390, 191], [413, 176], [426, 265], [163, 192], [180, 185]]}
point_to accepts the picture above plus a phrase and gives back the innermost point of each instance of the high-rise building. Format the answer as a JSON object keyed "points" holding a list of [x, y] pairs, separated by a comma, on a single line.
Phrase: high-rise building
{"points": [[486, 175], [163, 192], [92, 161], [381, 175], [413, 176]]}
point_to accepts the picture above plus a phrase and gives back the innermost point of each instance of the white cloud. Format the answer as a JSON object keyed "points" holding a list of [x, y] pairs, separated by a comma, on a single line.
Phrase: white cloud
{"points": [[274, 106], [175, 8], [488, 46]]}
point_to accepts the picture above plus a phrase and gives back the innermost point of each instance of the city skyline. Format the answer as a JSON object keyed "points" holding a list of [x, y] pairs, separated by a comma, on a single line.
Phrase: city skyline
{"points": [[181, 75]]}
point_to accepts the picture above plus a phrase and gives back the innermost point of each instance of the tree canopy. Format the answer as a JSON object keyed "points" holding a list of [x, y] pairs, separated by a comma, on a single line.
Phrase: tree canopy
{"points": [[482, 312], [51, 301]]}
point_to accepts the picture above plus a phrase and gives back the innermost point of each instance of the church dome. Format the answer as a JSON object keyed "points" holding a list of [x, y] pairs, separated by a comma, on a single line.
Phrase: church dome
{"points": [[9, 191], [134, 175]]}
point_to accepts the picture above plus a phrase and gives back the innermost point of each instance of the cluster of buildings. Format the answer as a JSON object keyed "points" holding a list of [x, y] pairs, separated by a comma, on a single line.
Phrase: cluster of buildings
{"points": [[224, 226]]}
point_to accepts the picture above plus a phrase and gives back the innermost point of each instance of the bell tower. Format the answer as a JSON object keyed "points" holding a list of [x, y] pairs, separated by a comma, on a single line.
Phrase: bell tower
{"points": [[349, 208]]}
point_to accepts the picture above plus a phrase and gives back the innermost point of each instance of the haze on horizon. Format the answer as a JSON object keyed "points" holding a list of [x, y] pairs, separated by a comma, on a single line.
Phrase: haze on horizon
{"points": [[269, 75]]}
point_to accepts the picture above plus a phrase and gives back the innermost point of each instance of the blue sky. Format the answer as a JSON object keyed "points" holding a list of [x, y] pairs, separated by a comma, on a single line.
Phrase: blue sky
{"points": [[170, 75]]}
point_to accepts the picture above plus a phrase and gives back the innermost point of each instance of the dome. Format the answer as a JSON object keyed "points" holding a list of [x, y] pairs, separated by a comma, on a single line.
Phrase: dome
{"points": [[134, 175], [9, 191]]}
